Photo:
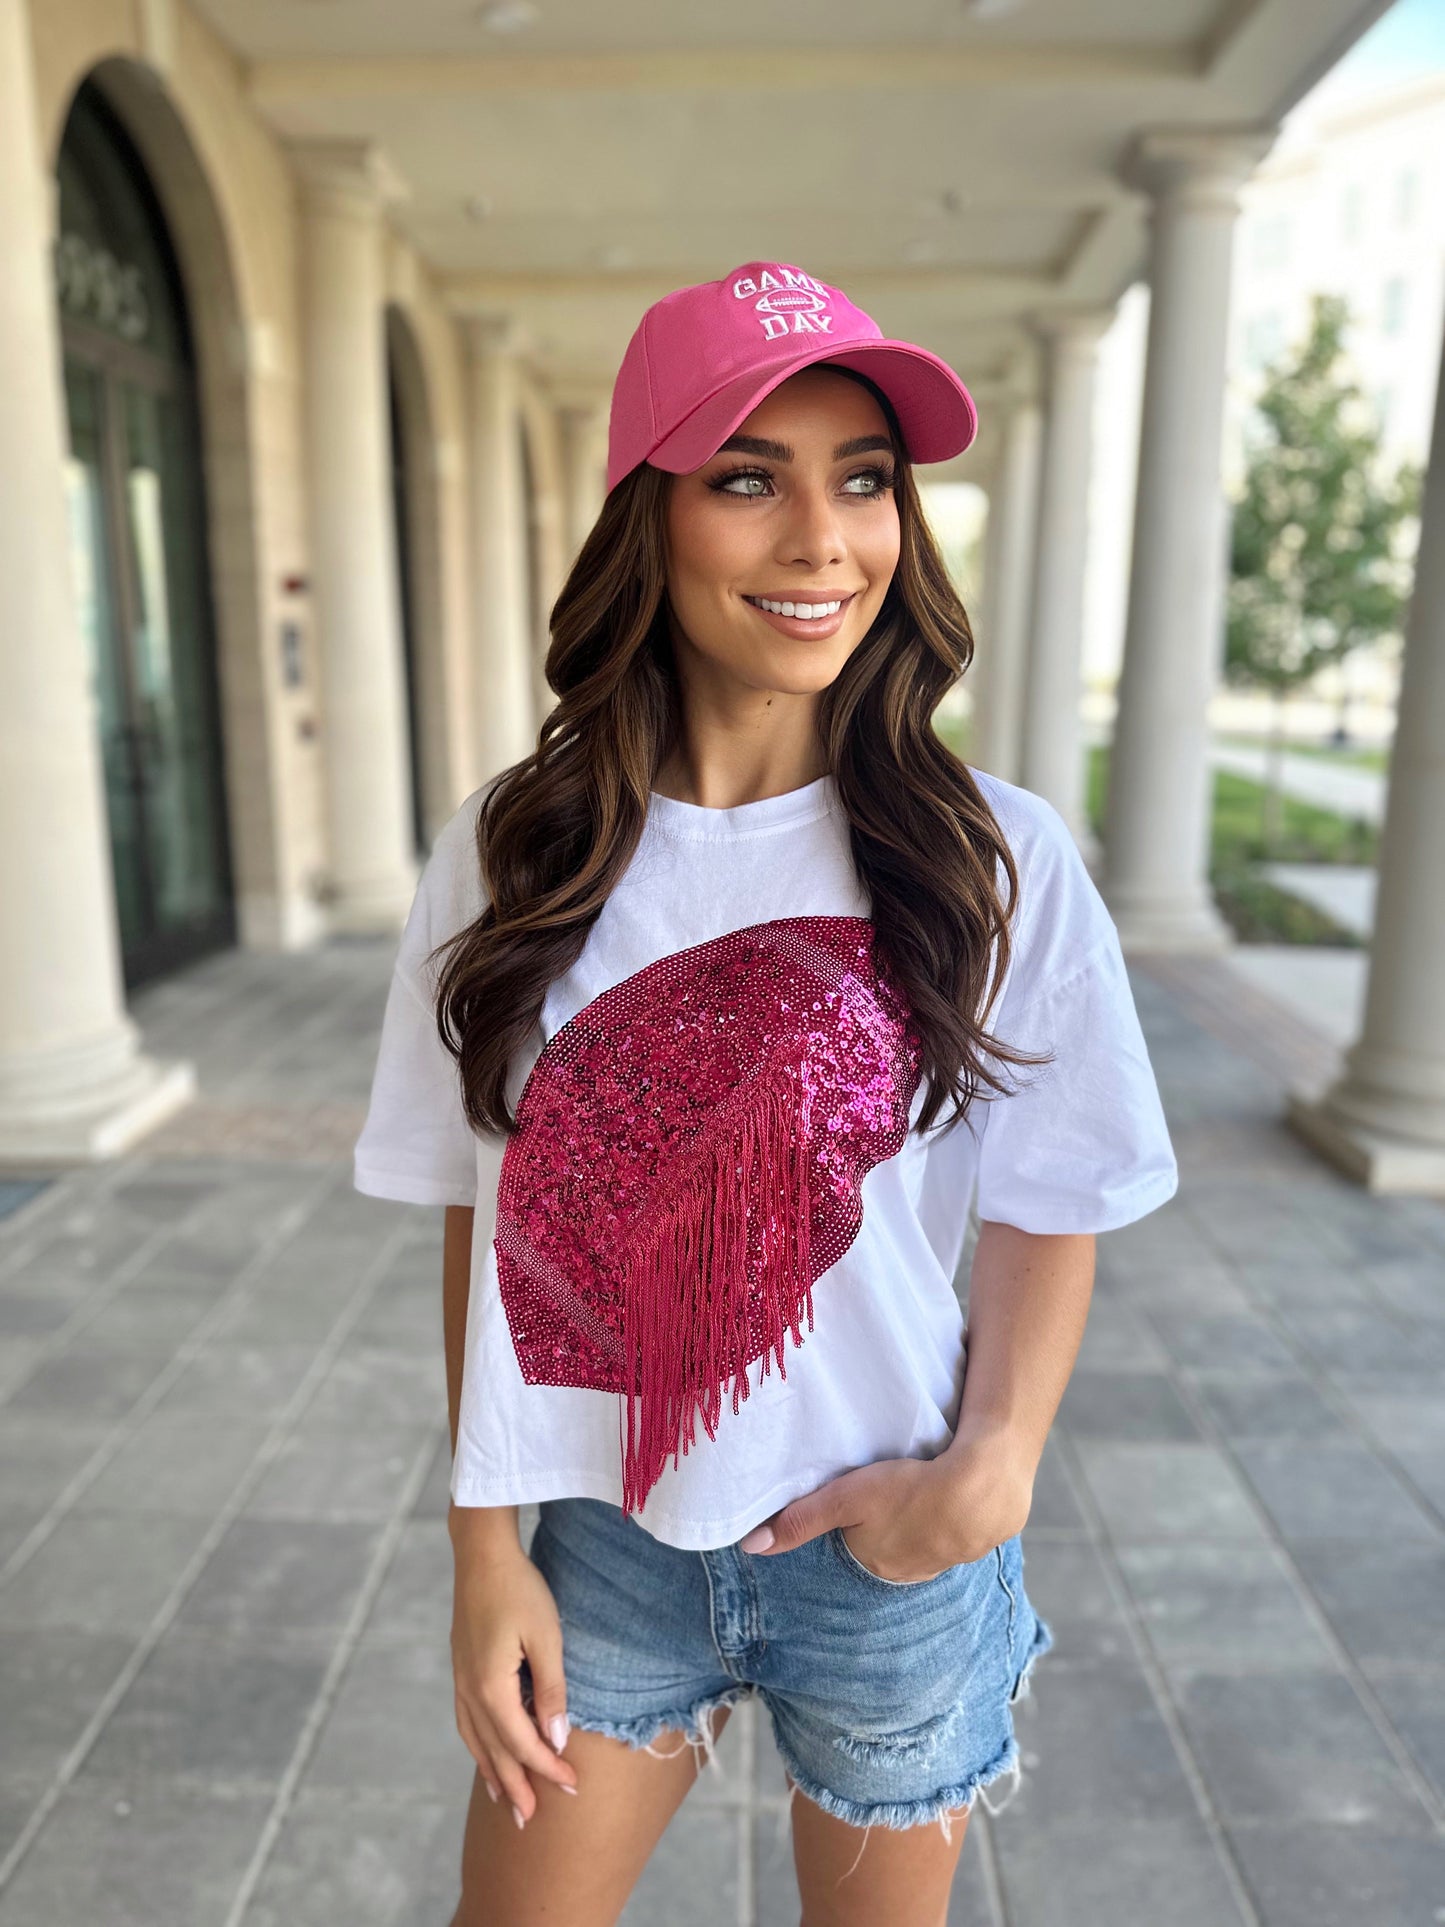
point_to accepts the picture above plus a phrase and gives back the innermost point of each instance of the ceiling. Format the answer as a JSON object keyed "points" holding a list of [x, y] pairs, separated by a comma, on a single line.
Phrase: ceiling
{"points": [[953, 173]]}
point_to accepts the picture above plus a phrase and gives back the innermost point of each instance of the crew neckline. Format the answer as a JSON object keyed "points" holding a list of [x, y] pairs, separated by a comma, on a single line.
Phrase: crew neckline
{"points": [[789, 808]]}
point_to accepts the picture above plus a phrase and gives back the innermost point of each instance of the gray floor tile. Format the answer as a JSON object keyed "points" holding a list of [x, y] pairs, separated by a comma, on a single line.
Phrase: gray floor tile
{"points": [[1240, 1342], [697, 1856], [209, 1710], [1384, 1604], [1055, 1504], [1125, 1405], [323, 1474], [1414, 1698], [101, 1572], [378, 1387], [1347, 1338], [1119, 1338], [136, 1855], [414, 1603], [361, 1861], [1164, 1870], [1099, 1752], [1330, 1876], [1268, 1406], [283, 1575], [50, 1684], [1068, 1585], [90, 1381], [1333, 1489], [393, 1724], [1168, 1491], [1222, 1605], [1294, 1746], [239, 1381], [177, 1462]]}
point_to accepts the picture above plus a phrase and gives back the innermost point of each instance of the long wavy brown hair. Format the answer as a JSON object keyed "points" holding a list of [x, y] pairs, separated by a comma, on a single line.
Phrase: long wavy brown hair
{"points": [[556, 830]]}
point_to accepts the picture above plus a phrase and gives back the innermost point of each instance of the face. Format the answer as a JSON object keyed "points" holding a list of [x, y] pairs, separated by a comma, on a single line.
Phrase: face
{"points": [[797, 506]]}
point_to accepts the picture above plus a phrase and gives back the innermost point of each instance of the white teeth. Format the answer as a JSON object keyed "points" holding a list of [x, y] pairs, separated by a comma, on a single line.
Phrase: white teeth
{"points": [[809, 611]]}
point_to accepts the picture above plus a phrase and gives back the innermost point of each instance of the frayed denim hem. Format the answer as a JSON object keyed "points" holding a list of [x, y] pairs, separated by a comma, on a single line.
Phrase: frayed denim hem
{"points": [[695, 1724], [899, 1814], [941, 1807]]}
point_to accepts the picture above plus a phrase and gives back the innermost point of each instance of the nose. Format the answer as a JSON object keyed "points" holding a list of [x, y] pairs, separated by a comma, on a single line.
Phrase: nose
{"points": [[812, 534]]}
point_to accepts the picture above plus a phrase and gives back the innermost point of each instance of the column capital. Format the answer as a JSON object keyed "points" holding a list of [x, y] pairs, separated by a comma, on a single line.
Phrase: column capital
{"points": [[347, 177], [1071, 327], [1201, 167]]}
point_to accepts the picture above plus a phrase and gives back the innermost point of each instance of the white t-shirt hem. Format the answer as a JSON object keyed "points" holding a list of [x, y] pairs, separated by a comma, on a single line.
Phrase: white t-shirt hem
{"points": [[1096, 1217], [688, 1535], [403, 1188]]}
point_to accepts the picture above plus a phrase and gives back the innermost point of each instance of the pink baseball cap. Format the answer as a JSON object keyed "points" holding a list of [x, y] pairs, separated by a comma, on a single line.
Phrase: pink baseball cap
{"points": [[702, 358]]}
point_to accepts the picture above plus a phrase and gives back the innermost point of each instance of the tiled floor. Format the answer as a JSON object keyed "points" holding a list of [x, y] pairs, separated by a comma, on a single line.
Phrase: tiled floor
{"points": [[225, 1688]]}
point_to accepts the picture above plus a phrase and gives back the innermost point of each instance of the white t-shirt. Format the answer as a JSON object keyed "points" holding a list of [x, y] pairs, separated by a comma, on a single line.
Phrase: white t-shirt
{"points": [[715, 1268]]}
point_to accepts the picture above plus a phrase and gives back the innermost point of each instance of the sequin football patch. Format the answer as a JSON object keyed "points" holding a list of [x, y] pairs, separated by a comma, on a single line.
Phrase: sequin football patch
{"points": [[688, 1162]]}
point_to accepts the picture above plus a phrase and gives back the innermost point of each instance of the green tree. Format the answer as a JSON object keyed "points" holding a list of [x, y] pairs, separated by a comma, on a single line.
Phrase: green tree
{"points": [[1316, 562]]}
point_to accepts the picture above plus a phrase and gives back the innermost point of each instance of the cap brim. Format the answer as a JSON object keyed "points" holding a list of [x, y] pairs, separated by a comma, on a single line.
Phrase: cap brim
{"points": [[935, 410]]}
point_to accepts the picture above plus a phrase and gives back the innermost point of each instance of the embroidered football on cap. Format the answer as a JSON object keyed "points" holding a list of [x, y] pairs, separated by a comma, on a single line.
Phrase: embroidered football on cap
{"points": [[688, 1162]]}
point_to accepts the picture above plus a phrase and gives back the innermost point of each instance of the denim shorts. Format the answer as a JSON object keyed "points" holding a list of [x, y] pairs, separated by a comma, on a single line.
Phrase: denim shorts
{"points": [[890, 1701]]}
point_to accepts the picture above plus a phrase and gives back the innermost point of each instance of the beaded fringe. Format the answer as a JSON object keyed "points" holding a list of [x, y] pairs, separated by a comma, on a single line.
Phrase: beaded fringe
{"points": [[689, 1305]]}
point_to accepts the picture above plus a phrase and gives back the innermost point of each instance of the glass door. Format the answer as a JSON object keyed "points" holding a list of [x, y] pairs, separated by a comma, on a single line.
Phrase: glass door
{"points": [[138, 551]]}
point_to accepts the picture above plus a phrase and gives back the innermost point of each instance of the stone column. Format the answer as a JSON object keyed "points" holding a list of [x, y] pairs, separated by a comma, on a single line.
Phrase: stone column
{"points": [[1384, 1120], [1001, 663], [345, 189], [74, 1086], [1053, 756], [506, 718], [584, 459], [1160, 784]]}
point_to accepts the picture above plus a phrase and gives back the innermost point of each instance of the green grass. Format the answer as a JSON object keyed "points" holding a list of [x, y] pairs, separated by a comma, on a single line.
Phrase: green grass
{"points": [[1256, 909]]}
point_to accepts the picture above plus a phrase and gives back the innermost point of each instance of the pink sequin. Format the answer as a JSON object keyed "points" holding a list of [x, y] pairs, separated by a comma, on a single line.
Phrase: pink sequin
{"points": [[688, 1162]]}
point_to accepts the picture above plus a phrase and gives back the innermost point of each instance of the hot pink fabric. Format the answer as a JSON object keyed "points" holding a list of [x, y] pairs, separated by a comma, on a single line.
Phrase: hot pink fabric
{"points": [[702, 358]]}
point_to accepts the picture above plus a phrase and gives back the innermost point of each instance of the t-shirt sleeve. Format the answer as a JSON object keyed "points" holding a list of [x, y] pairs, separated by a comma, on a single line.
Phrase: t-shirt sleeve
{"points": [[416, 1145], [1080, 1143]]}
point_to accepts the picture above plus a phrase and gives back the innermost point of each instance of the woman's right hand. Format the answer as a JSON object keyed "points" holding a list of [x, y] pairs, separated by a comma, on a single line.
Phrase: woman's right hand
{"points": [[502, 1612]]}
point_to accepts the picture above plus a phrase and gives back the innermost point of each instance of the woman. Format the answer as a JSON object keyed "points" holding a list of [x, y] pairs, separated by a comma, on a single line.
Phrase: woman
{"points": [[710, 1018]]}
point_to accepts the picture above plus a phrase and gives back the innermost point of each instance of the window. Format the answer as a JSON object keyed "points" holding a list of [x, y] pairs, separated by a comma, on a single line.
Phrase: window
{"points": [[1406, 187], [1392, 305], [1352, 211]]}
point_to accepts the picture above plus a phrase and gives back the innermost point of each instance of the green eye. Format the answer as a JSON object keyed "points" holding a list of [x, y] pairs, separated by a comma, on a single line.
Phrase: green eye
{"points": [[723, 484]]}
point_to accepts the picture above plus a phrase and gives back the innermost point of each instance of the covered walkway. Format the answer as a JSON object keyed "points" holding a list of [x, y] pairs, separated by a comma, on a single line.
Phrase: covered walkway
{"points": [[215, 1356]]}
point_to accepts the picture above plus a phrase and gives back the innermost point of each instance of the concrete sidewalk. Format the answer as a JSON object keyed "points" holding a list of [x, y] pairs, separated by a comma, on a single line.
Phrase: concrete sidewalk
{"points": [[1328, 784], [225, 1692]]}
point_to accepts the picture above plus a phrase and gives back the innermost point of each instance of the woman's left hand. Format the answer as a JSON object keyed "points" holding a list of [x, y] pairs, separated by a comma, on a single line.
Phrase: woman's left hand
{"points": [[911, 1519]]}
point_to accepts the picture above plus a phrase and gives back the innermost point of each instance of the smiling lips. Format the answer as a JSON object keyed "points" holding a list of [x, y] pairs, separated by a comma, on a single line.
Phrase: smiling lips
{"points": [[818, 615]]}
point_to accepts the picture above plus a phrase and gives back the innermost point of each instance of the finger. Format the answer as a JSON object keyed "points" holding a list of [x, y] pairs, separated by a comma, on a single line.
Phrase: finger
{"points": [[472, 1741], [516, 1788], [521, 1739], [549, 1689]]}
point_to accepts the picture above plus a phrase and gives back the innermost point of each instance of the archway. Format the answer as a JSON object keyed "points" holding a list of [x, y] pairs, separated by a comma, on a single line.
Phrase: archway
{"points": [[140, 546]]}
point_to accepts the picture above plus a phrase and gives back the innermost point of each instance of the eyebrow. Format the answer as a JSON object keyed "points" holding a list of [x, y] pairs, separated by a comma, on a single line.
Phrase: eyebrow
{"points": [[782, 452]]}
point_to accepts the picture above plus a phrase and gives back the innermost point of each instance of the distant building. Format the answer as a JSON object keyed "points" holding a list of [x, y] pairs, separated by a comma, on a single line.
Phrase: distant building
{"points": [[1350, 202]]}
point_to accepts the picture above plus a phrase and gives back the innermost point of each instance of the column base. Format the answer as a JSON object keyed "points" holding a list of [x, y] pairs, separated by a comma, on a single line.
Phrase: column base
{"points": [[89, 1131], [1376, 1159], [1179, 927]]}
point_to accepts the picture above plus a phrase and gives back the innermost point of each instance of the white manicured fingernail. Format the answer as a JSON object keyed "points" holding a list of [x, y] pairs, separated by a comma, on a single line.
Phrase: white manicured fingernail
{"points": [[558, 1727], [517, 1815], [491, 1789]]}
